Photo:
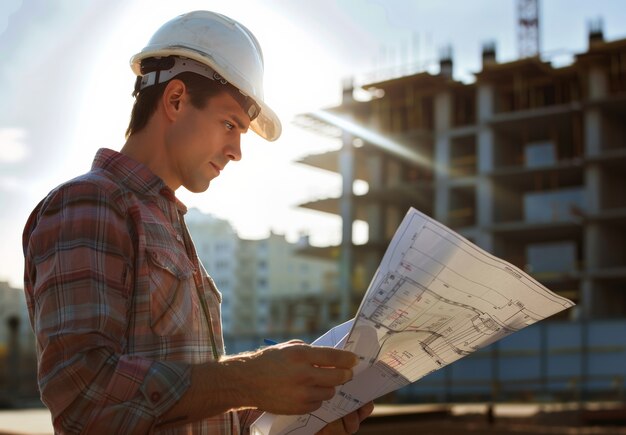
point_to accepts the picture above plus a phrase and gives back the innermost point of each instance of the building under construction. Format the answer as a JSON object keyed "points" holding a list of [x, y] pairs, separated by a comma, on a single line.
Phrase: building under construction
{"points": [[528, 162]]}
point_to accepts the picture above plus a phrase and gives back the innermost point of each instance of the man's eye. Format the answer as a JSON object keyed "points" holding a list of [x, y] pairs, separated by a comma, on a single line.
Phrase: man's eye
{"points": [[229, 125]]}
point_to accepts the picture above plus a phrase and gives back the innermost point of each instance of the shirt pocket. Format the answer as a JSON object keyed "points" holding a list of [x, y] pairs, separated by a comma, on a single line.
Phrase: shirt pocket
{"points": [[173, 296]]}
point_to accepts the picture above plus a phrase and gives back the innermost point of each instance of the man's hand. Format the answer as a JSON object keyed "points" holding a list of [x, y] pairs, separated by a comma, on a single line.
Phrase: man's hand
{"points": [[292, 377], [288, 378], [350, 423]]}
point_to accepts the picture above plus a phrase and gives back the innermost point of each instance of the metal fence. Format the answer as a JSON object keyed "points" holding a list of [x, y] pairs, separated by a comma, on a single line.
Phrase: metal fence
{"points": [[548, 361]]}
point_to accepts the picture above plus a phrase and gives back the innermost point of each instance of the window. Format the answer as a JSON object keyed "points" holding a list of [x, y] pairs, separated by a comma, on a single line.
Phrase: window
{"points": [[553, 206], [551, 257], [541, 153]]}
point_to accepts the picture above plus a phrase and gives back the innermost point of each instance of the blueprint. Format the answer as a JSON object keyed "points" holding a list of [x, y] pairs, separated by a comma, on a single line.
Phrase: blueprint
{"points": [[435, 298]]}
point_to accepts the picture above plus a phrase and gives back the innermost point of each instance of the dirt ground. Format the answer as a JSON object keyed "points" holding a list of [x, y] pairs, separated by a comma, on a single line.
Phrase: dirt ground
{"points": [[509, 419], [500, 419]]}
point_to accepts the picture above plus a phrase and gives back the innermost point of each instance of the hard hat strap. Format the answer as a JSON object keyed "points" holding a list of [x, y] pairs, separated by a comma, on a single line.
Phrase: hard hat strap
{"points": [[160, 70]]}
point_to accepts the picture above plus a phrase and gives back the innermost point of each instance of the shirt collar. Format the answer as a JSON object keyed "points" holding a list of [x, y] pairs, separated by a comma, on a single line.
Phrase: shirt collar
{"points": [[134, 175]]}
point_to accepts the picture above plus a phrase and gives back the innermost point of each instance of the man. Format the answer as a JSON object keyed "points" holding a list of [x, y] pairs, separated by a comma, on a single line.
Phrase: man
{"points": [[126, 318]]}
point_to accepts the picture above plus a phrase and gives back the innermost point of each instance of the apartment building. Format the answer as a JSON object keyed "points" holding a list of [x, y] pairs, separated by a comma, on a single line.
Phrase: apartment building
{"points": [[217, 245], [303, 290], [267, 290], [528, 161]]}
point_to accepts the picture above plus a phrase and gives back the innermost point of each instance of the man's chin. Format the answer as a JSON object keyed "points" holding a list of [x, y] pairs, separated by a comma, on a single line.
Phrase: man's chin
{"points": [[198, 188]]}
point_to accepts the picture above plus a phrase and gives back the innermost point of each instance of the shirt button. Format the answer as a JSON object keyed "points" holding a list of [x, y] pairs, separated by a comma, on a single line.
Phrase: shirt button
{"points": [[179, 238], [155, 397]]}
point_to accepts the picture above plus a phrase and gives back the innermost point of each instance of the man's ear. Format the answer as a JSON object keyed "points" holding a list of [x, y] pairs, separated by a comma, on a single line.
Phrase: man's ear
{"points": [[172, 98]]}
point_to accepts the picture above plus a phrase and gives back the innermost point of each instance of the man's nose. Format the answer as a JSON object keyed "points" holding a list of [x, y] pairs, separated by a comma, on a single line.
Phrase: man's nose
{"points": [[233, 150]]}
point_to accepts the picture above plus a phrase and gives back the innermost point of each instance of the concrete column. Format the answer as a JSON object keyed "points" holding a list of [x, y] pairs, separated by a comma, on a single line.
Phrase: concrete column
{"points": [[375, 212], [443, 111], [598, 89], [443, 123], [346, 260], [593, 255], [485, 149], [442, 174], [593, 132], [598, 83], [485, 190], [595, 247], [593, 188], [485, 107]]}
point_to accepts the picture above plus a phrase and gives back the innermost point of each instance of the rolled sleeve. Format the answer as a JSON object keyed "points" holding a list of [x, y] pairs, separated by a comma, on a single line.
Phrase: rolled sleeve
{"points": [[164, 385], [139, 393]]}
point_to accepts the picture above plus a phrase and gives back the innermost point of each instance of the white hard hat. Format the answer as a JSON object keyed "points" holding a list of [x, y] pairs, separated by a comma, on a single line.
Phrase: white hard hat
{"points": [[222, 44]]}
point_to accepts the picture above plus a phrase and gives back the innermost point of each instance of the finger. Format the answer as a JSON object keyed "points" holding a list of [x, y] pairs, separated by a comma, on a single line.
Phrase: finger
{"points": [[333, 428], [329, 357], [351, 422], [365, 410]]}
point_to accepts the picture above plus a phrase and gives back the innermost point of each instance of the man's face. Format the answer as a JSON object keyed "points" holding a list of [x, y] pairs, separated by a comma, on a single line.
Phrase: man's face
{"points": [[202, 141]]}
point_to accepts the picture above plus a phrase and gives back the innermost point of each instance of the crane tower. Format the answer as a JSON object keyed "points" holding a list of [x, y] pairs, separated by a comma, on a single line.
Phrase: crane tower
{"points": [[528, 28]]}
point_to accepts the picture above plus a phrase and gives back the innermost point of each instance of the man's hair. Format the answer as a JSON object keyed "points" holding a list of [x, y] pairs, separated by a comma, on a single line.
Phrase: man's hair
{"points": [[199, 88]]}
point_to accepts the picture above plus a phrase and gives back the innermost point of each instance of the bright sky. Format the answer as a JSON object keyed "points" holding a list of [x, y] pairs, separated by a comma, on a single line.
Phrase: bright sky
{"points": [[65, 85]]}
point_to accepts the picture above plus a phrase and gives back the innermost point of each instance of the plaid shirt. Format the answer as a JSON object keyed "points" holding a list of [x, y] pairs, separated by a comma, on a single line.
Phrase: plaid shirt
{"points": [[120, 303]]}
